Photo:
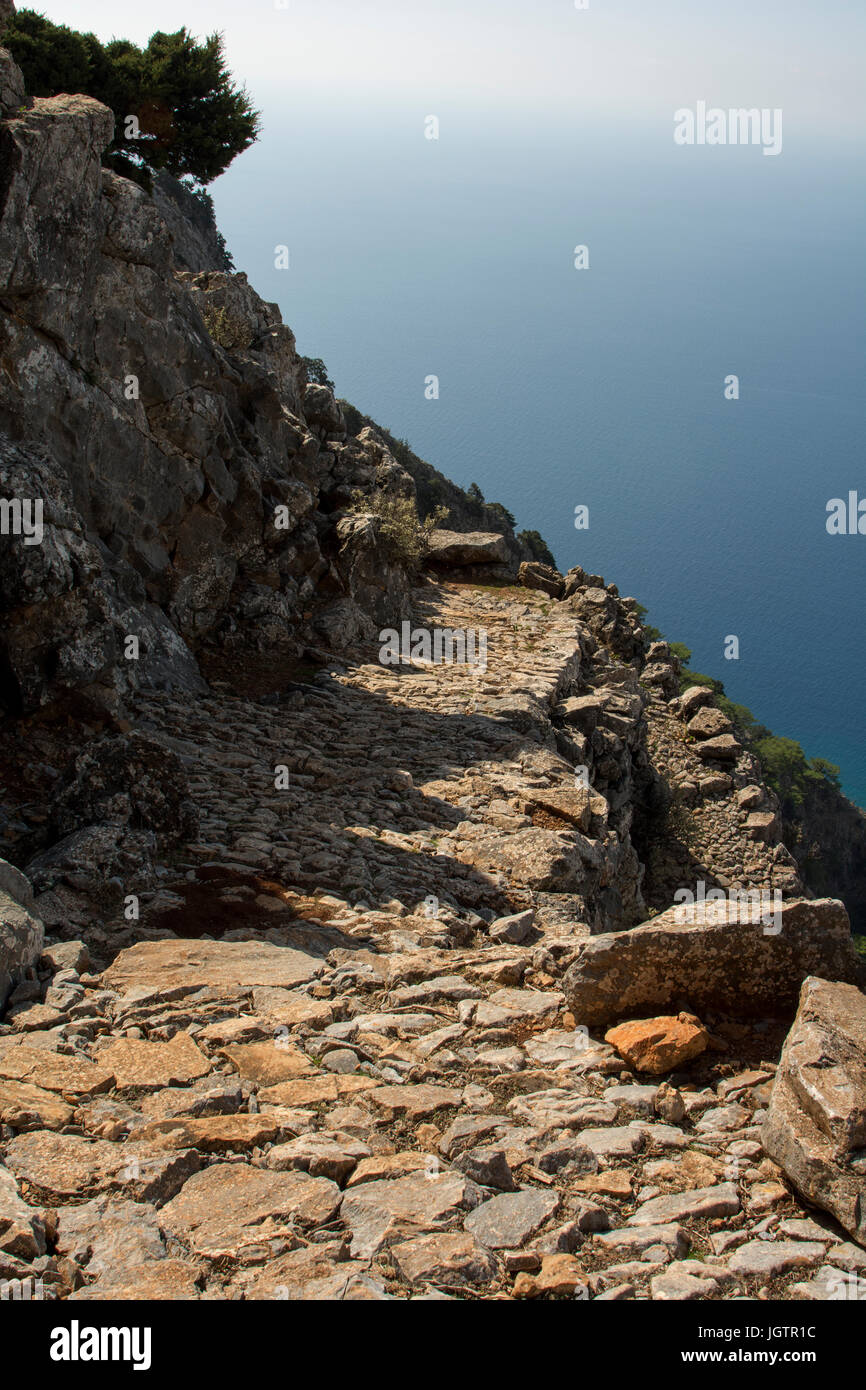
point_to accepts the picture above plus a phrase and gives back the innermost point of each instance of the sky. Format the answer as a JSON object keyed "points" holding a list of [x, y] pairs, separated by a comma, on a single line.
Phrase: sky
{"points": [[617, 59]]}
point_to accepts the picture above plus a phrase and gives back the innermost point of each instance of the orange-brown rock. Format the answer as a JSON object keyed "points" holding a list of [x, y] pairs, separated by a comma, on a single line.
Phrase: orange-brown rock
{"points": [[657, 1045]]}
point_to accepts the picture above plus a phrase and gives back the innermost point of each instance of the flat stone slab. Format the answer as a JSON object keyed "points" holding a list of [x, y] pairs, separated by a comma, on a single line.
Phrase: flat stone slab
{"points": [[23, 1106], [269, 1063], [137, 1064], [831, 1285], [399, 1165], [232, 1211], [528, 1003], [210, 1133], [680, 1287], [505, 1222], [701, 1204], [310, 1274], [767, 1259], [316, 1090], [154, 1280], [71, 1077], [323, 1155], [415, 1102], [378, 1212], [452, 1258], [108, 1235], [58, 1167], [191, 965], [618, 1141], [632, 1241]]}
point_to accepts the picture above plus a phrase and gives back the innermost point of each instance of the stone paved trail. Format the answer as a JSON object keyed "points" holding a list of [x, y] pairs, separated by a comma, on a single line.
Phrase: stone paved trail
{"points": [[333, 1057]]}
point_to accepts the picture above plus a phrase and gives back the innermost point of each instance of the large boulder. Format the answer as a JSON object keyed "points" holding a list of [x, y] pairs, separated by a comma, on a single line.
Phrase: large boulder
{"points": [[741, 958], [21, 933], [816, 1123], [454, 549]]}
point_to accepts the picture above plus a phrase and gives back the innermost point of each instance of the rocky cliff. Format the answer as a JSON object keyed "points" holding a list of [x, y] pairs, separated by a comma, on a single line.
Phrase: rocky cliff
{"points": [[300, 971]]}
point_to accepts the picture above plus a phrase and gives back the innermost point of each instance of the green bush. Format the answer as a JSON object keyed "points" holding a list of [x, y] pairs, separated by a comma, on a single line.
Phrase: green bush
{"points": [[355, 421], [502, 512], [317, 372], [405, 535], [538, 547], [193, 120]]}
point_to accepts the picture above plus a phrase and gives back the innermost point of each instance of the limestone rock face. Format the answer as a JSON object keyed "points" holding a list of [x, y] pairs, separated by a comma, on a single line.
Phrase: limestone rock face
{"points": [[21, 933], [160, 415], [12, 94], [816, 1124], [196, 245], [727, 960]]}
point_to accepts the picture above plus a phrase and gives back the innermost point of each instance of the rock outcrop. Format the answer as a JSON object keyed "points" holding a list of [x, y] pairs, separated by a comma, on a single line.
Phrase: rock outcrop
{"points": [[816, 1121], [21, 932], [161, 417]]}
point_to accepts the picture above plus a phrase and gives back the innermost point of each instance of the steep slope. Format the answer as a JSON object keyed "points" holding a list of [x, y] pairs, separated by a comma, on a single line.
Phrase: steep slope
{"points": [[300, 1026]]}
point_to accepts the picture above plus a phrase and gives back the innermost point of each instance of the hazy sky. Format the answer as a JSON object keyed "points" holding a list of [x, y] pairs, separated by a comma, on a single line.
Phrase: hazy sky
{"points": [[626, 57]]}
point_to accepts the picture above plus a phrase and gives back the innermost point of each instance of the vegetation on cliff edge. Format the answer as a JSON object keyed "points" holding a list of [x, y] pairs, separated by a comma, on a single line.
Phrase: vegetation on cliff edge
{"points": [[174, 101]]}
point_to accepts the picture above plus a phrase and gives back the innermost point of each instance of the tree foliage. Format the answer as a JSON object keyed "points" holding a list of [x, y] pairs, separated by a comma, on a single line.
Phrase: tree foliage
{"points": [[317, 372], [192, 120], [537, 545]]}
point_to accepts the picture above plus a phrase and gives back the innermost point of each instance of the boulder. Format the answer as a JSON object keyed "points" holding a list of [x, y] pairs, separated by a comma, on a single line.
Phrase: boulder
{"points": [[693, 699], [513, 929], [715, 956], [453, 549], [815, 1127], [722, 748], [708, 723]]}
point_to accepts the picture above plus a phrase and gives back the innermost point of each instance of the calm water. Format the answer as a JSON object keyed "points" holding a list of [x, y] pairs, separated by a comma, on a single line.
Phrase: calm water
{"points": [[605, 387]]}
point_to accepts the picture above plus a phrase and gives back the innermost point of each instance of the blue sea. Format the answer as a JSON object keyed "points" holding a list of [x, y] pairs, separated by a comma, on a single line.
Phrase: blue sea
{"points": [[605, 386]]}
